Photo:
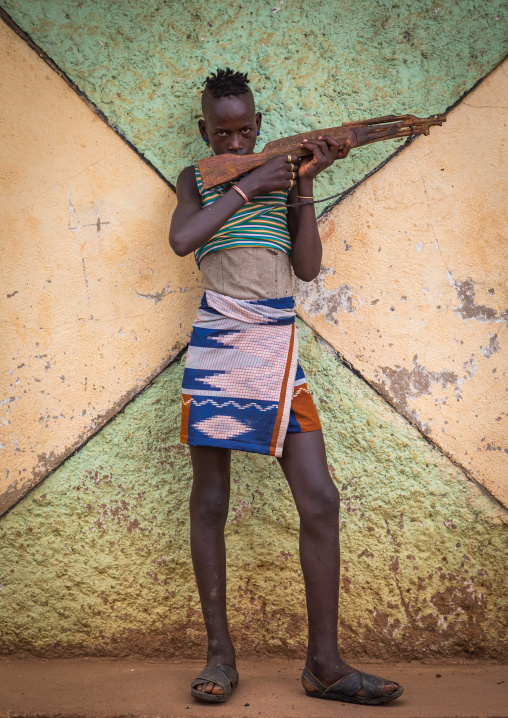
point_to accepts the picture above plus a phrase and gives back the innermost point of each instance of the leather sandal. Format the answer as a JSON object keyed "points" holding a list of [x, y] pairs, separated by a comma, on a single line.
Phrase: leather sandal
{"points": [[345, 688], [224, 676]]}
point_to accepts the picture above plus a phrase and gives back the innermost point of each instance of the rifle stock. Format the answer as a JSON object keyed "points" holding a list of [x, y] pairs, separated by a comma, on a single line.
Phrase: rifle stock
{"points": [[223, 168]]}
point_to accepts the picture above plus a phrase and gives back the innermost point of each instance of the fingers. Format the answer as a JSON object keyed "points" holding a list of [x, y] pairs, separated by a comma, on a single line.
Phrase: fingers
{"points": [[293, 162], [318, 147], [328, 149], [343, 153], [338, 152], [333, 146], [323, 155]]}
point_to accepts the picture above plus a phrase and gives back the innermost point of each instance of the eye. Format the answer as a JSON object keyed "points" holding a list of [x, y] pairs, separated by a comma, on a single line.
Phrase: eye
{"points": [[246, 130], [222, 133]]}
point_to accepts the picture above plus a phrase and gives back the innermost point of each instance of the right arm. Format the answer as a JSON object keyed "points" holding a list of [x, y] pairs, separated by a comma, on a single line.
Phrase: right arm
{"points": [[192, 225]]}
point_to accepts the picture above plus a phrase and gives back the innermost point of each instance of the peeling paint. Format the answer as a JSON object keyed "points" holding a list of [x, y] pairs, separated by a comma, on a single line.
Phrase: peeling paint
{"points": [[469, 309], [402, 385], [315, 298], [492, 348]]}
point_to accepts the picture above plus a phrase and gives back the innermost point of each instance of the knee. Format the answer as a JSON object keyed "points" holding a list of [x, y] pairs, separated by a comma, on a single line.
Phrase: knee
{"points": [[210, 508], [323, 507]]}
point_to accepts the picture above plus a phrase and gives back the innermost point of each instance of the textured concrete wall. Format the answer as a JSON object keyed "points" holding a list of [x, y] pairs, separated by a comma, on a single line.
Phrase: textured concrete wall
{"points": [[414, 287], [94, 301], [96, 559], [312, 64]]}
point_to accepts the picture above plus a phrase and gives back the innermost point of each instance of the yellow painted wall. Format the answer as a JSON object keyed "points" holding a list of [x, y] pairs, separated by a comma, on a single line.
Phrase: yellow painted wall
{"points": [[413, 291], [94, 302]]}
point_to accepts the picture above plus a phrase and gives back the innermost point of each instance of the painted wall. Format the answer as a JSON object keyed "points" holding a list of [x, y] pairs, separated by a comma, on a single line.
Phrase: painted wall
{"points": [[96, 559], [95, 302], [312, 64], [414, 286]]}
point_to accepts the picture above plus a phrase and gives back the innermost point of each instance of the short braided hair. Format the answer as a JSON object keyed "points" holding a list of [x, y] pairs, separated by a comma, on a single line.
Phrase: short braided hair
{"points": [[226, 82]]}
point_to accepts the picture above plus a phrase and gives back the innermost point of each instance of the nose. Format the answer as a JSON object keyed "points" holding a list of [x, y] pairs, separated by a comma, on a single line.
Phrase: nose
{"points": [[235, 143]]}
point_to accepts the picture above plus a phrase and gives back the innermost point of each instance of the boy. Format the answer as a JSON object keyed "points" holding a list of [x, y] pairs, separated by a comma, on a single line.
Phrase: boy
{"points": [[243, 387]]}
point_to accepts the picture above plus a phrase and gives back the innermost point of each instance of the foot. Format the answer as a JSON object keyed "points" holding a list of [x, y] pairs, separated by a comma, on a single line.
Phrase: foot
{"points": [[220, 660], [331, 673]]}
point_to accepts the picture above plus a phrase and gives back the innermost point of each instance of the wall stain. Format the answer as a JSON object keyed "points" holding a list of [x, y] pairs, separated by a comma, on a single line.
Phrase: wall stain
{"points": [[157, 297], [492, 447]]}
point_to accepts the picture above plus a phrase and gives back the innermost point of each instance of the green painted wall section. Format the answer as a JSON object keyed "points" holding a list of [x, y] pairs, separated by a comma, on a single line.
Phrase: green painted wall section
{"points": [[96, 559], [312, 64]]}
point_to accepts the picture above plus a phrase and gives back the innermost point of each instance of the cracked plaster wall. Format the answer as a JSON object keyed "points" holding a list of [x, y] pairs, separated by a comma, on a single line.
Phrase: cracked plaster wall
{"points": [[414, 287], [85, 267], [96, 559]]}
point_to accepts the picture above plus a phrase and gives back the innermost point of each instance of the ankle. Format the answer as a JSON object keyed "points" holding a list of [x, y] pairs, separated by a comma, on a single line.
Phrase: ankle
{"points": [[223, 654], [327, 667], [323, 656]]}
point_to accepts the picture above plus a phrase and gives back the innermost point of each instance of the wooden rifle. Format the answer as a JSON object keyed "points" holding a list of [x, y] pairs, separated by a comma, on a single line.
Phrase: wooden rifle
{"points": [[223, 168]]}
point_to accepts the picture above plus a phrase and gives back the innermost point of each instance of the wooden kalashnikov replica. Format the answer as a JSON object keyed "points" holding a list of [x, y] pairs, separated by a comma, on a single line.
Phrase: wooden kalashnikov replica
{"points": [[223, 168]]}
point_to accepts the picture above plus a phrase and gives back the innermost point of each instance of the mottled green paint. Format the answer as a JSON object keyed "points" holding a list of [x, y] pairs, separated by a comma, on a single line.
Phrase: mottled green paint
{"points": [[312, 64], [96, 559]]}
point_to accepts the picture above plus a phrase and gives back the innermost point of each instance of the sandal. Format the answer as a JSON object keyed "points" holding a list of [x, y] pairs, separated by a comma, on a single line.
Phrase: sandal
{"points": [[223, 676], [345, 689]]}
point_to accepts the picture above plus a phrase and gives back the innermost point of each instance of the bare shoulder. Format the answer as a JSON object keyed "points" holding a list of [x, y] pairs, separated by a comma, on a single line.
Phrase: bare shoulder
{"points": [[186, 184]]}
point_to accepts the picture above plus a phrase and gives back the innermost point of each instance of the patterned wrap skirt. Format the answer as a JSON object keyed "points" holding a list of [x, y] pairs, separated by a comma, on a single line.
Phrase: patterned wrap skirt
{"points": [[243, 387]]}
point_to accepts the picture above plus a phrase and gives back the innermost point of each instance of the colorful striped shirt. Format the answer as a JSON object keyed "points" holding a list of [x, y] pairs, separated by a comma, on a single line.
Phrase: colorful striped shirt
{"points": [[259, 223]]}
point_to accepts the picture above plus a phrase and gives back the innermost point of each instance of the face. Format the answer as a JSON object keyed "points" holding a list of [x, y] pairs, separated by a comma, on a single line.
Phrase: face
{"points": [[231, 124]]}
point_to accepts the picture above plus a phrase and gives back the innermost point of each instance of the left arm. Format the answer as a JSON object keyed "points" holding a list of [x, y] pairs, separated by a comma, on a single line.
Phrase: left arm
{"points": [[307, 251]]}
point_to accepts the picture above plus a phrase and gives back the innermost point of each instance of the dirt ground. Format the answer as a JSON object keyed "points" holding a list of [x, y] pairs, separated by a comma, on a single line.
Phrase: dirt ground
{"points": [[106, 688]]}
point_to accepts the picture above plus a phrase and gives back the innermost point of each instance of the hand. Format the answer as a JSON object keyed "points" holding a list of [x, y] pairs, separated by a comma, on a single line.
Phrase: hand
{"points": [[276, 174], [325, 150]]}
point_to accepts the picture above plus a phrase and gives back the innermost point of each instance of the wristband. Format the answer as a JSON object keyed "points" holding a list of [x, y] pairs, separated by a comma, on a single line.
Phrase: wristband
{"points": [[240, 192], [300, 196]]}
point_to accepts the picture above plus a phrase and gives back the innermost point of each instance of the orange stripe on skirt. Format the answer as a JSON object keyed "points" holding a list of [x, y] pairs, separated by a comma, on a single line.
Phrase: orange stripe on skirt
{"points": [[304, 409]]}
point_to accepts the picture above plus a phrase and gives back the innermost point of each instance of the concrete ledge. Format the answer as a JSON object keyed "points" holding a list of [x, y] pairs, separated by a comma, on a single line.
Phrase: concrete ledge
{"points": [[102, 688]]}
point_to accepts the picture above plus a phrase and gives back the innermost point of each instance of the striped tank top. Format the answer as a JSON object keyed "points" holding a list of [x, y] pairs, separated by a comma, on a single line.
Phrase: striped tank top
{"points": [[257, 224]]}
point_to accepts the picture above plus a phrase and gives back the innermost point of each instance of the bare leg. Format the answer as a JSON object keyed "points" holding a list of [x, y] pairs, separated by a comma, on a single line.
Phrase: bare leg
{"points": [[317, 500], [209, 504]]}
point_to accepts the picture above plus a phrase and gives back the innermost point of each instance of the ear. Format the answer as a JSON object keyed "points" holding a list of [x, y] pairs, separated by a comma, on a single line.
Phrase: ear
{"points": [[202, 129], [258, 120]]}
